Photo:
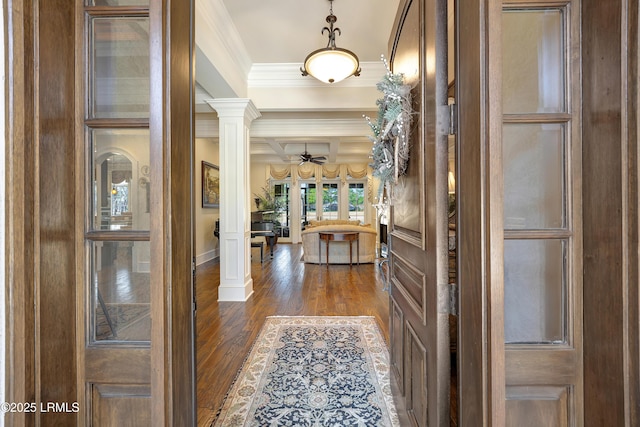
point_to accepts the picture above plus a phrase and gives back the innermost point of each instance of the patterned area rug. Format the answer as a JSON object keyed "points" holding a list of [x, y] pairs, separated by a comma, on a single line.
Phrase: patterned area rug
{"points": [[313, 371]]}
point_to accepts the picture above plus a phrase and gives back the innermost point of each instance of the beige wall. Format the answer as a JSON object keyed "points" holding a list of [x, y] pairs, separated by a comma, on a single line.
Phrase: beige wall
{"points": [[206, 244], [259, 179]]}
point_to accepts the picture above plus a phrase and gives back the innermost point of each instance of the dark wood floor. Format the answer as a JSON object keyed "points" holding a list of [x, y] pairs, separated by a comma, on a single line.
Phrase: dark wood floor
{"points": [[282, 286]]}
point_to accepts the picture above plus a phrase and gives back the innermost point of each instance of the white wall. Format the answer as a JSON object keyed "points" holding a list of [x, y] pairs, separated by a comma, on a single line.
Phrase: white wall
{"points": [[206, 244]]}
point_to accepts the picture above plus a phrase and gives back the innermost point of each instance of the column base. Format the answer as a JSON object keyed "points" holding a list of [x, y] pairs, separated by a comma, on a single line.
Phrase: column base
{"points": [[235, 292]]}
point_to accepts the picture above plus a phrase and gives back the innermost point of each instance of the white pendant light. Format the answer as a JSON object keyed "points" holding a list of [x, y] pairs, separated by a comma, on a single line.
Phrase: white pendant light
{"points": [[331, 64]]}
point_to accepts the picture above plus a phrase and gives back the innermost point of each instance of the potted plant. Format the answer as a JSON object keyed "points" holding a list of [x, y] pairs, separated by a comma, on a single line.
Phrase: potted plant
{"points": [[271, 207]]}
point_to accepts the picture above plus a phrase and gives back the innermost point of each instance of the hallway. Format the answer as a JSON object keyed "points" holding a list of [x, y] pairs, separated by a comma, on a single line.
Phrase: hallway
{"points": [[282, 286]]}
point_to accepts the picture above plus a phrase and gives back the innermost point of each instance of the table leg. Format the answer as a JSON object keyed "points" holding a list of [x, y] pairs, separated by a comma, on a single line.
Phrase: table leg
{"points": [[358, 249], [327, 260], [319, 251]]}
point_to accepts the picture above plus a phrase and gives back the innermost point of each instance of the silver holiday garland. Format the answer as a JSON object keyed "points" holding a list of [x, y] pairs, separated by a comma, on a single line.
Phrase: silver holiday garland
{"points": [[390, 152]]}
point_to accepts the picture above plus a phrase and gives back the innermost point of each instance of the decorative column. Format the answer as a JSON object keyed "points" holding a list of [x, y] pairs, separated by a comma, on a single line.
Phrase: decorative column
{"points": [[235, 117]]}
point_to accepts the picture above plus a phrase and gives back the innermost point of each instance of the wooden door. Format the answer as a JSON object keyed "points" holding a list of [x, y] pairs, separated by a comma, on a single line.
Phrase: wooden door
{"points": [[101, 94], [520, 214], [419, 287]]}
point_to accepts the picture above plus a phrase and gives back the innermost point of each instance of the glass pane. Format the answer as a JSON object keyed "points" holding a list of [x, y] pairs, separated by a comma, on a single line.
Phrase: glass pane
{"points": [[121, 182], [533, 65], [281, 193], [119, 67], [308, 196], [535, 291], [534, 176], [120, 299], [356, 201], [330, 202]]}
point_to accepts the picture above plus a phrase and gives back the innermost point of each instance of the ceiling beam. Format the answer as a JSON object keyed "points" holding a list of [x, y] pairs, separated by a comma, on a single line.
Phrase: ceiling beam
{"points": [[334, 145], [277, 149], [207, 127]]}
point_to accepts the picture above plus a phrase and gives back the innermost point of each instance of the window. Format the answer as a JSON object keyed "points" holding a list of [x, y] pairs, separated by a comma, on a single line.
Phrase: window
{"points": [[536, 167], [281, 193], [117, 174], [308, 202], [330, 200], [356, 201]]}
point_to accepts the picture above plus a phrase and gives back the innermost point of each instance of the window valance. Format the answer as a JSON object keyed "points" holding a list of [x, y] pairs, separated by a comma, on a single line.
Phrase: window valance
{"points": [[280, 172], [310, 170], [344, 171]]}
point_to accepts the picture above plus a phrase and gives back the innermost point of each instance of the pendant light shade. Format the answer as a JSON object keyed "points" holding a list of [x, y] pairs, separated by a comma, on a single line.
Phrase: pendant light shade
{"points": [[331, 64]]}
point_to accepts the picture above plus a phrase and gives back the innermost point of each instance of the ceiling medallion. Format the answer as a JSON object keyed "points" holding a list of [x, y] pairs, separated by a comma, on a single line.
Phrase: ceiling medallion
{"points": [[331, 64]]}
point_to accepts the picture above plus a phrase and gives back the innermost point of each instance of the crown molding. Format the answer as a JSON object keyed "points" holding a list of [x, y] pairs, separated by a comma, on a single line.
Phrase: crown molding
{"points": [[292, 128], [267, 75], [217, 37]]}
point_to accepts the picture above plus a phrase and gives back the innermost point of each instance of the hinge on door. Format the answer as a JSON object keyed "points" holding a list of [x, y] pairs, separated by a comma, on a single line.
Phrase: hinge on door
{"points": [[194, 305], [453, 119], [453, 299]]}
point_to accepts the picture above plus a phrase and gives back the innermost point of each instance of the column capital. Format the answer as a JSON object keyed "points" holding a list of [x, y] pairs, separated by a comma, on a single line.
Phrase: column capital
{"points": [[234, 107]]}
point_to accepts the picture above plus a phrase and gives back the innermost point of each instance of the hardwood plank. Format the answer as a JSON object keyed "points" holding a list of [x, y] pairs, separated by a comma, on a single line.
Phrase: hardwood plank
{"points": [[283, 286]]}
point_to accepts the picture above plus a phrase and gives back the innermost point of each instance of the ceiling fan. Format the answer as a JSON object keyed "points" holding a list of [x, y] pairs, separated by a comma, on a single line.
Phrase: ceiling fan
{"points": [[306, 157]]}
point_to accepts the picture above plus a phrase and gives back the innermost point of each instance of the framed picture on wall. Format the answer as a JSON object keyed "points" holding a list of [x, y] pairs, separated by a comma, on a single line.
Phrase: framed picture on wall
{"points": [[210, 185]]}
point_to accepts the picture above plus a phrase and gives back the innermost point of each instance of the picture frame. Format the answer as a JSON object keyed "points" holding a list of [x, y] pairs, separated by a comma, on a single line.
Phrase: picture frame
{"points": [[210, 185]]}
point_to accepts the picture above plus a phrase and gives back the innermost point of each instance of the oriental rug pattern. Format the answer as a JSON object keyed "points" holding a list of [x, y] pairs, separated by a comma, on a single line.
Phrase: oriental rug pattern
{"points": [[313, 371]]}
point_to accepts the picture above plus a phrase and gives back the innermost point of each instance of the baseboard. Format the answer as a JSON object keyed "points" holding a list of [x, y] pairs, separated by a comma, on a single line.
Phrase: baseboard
{"points": [[207, 256], [144, 267]]}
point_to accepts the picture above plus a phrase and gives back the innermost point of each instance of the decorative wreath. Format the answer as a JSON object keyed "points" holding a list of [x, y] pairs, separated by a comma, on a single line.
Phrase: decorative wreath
{"points": [[390, 152]]}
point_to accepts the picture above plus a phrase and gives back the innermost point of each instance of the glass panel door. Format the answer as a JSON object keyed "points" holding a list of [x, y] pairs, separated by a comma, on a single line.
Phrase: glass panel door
{"points": [[542, 246], [330, 200], [119, 170], [308, 202], [535, 168], [281, 192], [356, 201]]}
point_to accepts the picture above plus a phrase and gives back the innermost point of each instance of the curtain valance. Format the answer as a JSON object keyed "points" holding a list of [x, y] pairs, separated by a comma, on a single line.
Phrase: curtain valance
{"points": [[330, 171]]}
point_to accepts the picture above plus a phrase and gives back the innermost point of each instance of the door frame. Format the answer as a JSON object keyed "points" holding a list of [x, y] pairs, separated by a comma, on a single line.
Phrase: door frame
{"points": [[481, 349], [34, 189]]}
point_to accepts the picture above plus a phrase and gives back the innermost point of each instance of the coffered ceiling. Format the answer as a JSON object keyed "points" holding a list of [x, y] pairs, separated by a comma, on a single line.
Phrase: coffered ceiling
{"points": [[254, 49]]}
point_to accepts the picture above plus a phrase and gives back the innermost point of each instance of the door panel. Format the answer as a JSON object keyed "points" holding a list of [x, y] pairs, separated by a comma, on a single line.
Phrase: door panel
{"points": [[80, 78], [542, 246], [116, 303], [114, 404], [129, 242], [519, 199], [538, 406], [419, 222]]}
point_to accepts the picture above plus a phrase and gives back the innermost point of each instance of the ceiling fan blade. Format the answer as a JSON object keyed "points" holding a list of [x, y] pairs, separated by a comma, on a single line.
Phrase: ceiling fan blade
{"points": [[320, 158], [316, 161]]}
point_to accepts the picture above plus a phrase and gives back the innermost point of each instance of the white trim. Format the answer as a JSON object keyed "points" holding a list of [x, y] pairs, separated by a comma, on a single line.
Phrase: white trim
{"points": [[144, 267], [207, 256], [235, 293], [291, 128], [221, 44], [289, 75]]}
